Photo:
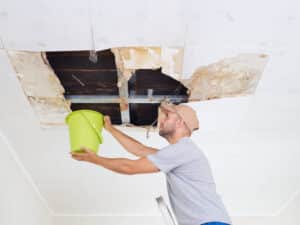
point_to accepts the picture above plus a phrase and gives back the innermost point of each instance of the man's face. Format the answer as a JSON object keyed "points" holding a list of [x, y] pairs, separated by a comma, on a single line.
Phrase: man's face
{"points": [[167, 123]]}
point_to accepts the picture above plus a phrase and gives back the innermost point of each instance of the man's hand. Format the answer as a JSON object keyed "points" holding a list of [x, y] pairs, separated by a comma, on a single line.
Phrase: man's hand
{"points": [[107, 123], [86, 155]]}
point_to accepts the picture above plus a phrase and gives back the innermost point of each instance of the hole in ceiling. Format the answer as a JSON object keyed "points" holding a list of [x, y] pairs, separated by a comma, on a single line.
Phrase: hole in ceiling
{"points": [[95, 85], [127, 83]]}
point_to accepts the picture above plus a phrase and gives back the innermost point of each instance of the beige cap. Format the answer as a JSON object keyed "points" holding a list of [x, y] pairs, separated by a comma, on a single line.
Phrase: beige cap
{"points": [[187, 114]]}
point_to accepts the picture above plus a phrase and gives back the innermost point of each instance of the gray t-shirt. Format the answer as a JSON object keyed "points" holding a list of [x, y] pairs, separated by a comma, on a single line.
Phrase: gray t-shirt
{"points": [[190, 184]]}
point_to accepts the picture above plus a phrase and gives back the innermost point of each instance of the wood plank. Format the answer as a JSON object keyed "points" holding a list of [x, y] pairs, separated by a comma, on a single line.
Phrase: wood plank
{"points": [[106, 52], [80, 60], [89, 82]]}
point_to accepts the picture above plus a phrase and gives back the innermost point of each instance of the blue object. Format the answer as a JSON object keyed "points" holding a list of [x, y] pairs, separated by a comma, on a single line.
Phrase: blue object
{"points": [[215, 223]]}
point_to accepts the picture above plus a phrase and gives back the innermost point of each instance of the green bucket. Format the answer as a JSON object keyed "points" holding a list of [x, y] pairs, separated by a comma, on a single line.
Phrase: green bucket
{"points": [[85, 127]]}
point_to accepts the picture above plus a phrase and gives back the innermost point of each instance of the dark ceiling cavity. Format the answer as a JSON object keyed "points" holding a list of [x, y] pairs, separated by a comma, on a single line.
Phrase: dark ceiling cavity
{"points": [[94, 86]]}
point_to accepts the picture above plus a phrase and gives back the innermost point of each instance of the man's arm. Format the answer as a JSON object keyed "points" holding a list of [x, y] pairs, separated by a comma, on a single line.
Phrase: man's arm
{"points": [[130, 144], [119, 165]]}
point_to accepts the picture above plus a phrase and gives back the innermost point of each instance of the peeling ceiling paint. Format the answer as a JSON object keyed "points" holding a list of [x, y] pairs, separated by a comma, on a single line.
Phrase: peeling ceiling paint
{"points": [[228, 77], [170, 60], [41, 86]]}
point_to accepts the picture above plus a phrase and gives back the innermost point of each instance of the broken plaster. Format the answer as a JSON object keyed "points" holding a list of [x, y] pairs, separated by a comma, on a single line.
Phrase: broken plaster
{"points": [[41, 86], [129, 59], [229, 77]]}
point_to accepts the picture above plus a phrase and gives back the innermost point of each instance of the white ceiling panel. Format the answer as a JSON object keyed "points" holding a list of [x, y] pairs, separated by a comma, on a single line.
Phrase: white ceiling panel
{"points": [[45, 25], [138, 23]]}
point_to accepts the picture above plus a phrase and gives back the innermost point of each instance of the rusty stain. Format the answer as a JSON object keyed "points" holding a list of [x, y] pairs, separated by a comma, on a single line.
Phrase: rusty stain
{"points": [[123, 104]]}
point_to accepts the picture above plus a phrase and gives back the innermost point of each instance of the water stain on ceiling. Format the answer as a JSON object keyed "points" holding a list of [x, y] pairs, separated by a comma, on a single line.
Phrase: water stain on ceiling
{"points": [[127, 83]]}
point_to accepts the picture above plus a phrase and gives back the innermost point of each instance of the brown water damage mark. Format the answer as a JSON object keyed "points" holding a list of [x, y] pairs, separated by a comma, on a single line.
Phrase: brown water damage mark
{"points": [[41, 86], [235, 76], [130, 59], [50, 111], [126, 72], [230, 77], [123, 104]]}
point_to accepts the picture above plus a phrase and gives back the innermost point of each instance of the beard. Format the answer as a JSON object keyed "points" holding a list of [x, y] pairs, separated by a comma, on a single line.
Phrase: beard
{"points": [[166, 133]]}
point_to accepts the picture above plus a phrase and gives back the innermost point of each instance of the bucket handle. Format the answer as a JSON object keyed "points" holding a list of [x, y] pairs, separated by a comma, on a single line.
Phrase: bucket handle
{"points": [[93, 127]]}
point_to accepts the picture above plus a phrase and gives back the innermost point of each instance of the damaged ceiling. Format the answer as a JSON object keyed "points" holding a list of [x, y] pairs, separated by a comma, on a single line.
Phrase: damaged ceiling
{"points": [[41, 86], [216, 38], [101, 86], [127, 83]]}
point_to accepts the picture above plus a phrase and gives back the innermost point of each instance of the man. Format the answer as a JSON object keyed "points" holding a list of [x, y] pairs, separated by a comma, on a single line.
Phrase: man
{"points": [[190, 184]]}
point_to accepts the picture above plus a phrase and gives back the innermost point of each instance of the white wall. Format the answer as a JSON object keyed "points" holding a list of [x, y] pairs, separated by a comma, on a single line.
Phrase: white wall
{"points": [[20, 202], [288, 215], [108, 220]]}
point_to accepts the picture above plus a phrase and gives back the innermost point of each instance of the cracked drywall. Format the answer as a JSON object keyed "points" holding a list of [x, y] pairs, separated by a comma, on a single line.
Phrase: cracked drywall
{"points": [[41, 86]]}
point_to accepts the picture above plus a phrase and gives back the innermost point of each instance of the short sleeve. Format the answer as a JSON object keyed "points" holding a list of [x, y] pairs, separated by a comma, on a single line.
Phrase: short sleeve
{"points": [[170, 157]]}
